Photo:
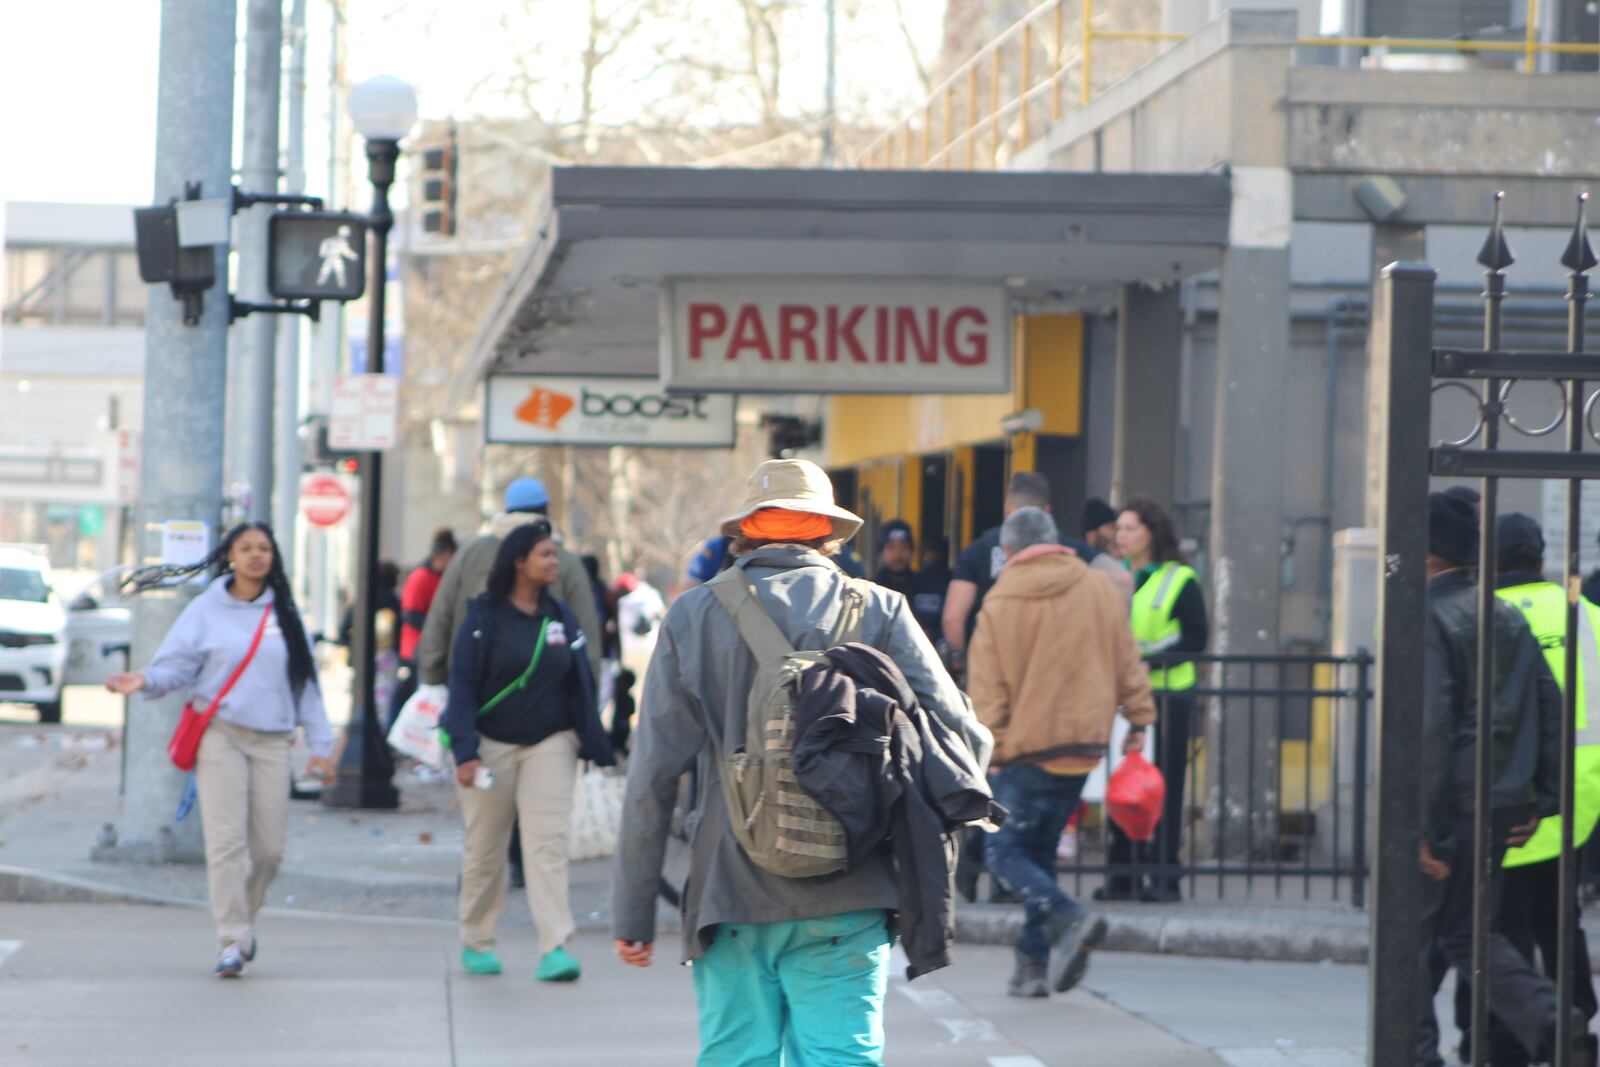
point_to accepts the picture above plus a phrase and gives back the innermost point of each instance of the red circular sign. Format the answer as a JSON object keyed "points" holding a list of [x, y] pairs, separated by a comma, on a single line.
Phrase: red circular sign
{"points": [[324, 500]]}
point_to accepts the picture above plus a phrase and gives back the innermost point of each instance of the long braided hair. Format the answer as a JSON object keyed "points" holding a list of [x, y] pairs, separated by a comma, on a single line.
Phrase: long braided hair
{"points": [[302, 669]]}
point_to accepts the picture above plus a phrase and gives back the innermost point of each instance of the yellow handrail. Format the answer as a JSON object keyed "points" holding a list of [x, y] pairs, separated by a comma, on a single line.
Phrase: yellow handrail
{"points": [[1086, 51], [904, 140]]}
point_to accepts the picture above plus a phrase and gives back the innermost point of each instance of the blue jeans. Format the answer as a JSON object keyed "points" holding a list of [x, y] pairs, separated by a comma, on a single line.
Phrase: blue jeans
{"points": [[801, 993], [1022, 853]]}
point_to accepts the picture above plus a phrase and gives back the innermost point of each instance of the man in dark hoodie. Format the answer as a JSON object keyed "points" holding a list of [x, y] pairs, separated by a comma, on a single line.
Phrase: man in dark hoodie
{"points": [[1524, 784], [896, 549]]}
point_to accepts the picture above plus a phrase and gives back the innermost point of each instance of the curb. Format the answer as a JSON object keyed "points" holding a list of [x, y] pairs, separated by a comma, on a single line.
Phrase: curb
{"points": [[24, 885], [1302, 939]]}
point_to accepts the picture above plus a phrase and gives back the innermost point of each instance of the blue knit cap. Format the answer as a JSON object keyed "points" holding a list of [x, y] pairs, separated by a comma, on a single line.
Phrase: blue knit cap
{"points": [[527, 494]]}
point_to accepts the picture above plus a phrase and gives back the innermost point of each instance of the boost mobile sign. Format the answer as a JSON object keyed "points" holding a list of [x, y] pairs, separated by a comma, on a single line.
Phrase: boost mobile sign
{"points": [[835, 336], [536, 409]]}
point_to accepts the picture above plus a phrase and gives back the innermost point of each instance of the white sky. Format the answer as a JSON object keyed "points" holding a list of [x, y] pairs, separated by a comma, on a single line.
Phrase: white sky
{"points": [[78, 79]]}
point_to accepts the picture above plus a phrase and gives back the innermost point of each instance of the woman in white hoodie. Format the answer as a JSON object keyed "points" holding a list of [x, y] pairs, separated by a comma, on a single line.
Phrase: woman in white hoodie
{"points": [[242, 773]]}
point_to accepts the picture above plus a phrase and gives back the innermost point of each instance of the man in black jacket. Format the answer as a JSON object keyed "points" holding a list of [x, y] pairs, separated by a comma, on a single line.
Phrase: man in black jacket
{"points": [[1526, 739]]}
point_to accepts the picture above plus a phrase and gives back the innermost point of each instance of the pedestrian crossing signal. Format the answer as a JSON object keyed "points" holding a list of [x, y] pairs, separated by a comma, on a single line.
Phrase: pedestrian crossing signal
{"points": [[317, 255]]}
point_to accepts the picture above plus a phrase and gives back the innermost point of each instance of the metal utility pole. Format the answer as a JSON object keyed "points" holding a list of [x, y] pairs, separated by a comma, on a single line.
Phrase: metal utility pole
{"points": [[327, 339], [1402, 330], [830, 107], [286, 503], [384, 110], [256, 337], [185, 395]]}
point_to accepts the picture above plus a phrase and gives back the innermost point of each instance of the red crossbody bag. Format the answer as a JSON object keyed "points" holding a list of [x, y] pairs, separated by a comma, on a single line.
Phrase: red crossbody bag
{"points": [[184, 748]]}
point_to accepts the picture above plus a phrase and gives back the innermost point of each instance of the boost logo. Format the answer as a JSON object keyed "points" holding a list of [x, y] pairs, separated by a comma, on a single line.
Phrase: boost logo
{"points": [[545, 408]]}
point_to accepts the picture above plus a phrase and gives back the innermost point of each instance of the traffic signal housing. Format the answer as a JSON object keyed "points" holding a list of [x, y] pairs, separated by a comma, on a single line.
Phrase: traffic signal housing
{"points": [[439, 187]]}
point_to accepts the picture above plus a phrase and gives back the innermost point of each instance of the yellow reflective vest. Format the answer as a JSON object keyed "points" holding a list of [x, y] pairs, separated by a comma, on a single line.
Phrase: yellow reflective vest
{"points": [[1155, 629], [1544, 605]]}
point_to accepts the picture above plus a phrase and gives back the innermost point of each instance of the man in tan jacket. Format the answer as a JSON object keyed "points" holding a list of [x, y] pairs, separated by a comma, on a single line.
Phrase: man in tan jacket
{"points": [[1052, 659]]}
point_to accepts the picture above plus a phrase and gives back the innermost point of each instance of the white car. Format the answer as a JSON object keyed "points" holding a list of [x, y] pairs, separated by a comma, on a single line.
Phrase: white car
{"points": [[33, 651], [99, 629]]}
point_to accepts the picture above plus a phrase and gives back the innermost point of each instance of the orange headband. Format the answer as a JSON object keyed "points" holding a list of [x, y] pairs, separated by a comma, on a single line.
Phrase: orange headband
{"points": [[781, 524]]}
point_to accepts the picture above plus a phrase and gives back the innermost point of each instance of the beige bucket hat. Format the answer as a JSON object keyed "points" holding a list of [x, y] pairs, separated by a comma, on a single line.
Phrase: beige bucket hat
{"points": [[796, 485]]}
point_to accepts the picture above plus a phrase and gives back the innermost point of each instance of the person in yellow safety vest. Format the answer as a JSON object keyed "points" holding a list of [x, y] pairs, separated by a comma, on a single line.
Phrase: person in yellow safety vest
{"points": [[1527, 911], [1168, 615]]}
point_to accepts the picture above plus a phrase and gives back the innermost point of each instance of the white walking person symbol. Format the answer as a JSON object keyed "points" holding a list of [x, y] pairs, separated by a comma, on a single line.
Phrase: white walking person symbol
{"points": [[334, 252]]}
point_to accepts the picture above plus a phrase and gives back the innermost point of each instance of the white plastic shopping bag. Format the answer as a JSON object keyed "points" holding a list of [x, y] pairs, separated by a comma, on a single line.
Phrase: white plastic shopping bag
{"points": [[416, 729], [596, 815]]}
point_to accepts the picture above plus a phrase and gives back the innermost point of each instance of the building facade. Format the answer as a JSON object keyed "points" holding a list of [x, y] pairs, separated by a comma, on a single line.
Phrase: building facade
{"points": [[71, 373]]}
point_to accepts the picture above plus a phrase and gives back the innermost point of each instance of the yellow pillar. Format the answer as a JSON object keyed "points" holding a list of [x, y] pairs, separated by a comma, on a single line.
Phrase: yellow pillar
{"points": [[964, 465], [911, 494]]}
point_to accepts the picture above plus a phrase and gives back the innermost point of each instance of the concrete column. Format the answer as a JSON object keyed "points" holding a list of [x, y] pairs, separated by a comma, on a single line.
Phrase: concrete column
{"points": [[1248, 463], [1184, 16], [1149, 382], [1247, 496], [185, 392], [254, 376], [1391, 243]]}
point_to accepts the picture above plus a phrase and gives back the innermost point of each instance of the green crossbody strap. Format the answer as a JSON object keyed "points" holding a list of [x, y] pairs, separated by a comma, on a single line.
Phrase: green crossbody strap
{"points": [[522, 679]]}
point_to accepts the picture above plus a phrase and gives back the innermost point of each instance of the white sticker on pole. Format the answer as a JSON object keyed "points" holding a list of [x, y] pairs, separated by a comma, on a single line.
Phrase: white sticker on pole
{"points": [[835, 336], [365, 413], [184, 543]]}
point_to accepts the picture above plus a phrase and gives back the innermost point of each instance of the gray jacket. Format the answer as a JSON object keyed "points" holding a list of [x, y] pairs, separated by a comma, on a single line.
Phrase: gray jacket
{"points": [[468, 575], [698, 684], [210, 639]]}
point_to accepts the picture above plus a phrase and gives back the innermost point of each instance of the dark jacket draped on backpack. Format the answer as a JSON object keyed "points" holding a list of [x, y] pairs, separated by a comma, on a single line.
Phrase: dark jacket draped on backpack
{"points": [[894, 777]]}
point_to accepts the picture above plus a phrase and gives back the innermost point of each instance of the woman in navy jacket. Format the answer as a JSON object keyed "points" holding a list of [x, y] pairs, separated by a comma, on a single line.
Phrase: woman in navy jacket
{"points": [[521, 714]]}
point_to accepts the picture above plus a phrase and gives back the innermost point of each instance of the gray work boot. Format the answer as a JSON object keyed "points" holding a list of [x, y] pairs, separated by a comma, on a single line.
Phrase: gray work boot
{"points": [[1072, 936], [1027, 978]]}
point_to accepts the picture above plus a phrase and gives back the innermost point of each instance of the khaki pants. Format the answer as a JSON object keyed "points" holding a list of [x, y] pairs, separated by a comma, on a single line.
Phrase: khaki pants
{"points": [[533, 784], [242, 781]]}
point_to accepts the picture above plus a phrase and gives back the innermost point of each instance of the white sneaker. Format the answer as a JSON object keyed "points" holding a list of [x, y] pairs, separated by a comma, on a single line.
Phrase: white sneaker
{"points": [[231, 963]]}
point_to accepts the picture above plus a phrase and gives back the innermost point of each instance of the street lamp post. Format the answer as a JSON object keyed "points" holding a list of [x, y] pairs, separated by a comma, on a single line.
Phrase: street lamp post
{"points": [[383, 110]]}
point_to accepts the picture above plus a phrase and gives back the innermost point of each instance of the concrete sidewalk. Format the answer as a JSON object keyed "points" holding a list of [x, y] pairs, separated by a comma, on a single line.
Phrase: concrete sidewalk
{"points": [[131, 986], [58, 787]]}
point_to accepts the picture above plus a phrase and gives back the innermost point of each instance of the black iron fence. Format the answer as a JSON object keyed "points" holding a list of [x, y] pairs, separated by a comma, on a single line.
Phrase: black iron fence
{"points": [[1272, 795], [1408, 369]]}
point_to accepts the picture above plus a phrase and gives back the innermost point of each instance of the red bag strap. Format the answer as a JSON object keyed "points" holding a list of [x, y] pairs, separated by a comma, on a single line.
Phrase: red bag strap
{"points": [[255, 643]]}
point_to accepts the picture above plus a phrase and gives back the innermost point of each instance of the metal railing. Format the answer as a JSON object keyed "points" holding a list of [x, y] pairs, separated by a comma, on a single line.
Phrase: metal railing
{"points": [[1274, 796], [994, 105], [1408, 370]]}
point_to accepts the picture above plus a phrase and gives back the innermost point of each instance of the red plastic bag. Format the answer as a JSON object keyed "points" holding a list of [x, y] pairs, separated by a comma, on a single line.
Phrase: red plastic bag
{"points": [[1134, 796]]}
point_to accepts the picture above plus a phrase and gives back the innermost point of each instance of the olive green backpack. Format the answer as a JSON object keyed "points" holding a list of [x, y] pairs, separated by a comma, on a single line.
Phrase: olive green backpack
{"points": [[775, 821]]}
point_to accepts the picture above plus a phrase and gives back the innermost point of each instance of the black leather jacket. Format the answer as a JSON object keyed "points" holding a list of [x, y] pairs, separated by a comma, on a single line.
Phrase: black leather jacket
{"points": [[1526, 720]]}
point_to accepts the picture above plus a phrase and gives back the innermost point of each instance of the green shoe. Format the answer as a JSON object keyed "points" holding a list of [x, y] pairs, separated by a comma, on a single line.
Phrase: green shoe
{"points": [[475, 962], [558, 966]]}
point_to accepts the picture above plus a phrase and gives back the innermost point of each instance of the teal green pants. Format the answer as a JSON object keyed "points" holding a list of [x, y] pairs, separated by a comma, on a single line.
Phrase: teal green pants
{"points": [[805, 993]]}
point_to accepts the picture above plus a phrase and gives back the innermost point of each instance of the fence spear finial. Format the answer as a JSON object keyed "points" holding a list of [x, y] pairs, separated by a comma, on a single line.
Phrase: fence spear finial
{"points": [[1496, 254], [1579, 257]]}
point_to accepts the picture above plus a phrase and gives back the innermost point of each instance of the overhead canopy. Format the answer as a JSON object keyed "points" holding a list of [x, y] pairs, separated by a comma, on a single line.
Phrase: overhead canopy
{"points": [[584, 296]]}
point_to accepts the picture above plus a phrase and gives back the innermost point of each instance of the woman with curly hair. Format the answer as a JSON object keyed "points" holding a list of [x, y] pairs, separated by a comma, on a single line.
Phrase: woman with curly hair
{"points": [[1168, 614]]}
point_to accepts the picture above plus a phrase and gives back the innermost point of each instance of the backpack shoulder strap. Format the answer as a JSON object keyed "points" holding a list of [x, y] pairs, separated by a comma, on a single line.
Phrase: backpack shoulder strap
{"points": [[852, 612], [737, 596]]}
